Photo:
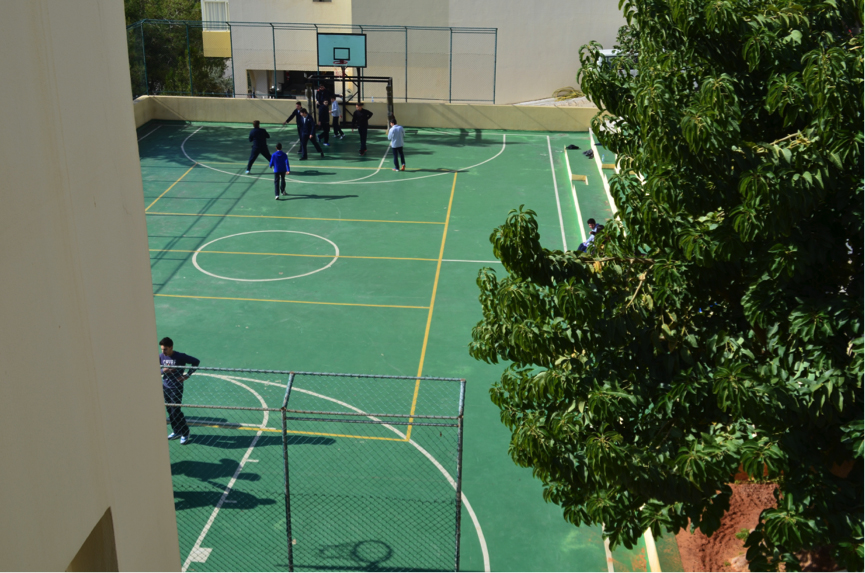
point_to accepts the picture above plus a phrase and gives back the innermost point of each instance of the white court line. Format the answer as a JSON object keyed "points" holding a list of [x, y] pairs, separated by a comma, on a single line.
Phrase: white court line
{"points": [[604, 180], [350, 181], [149, 132], [197, 553], [574, 194], [579, 213], [481, 539], [198, 251], [556, 187], [467, 261]]}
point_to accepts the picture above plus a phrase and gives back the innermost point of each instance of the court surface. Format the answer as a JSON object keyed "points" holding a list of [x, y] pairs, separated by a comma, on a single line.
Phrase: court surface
{"points": [[359, 269]]}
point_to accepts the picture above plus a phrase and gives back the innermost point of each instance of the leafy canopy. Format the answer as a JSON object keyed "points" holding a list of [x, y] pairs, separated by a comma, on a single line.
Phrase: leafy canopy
{"points": [[164, 47], [716, 323]]}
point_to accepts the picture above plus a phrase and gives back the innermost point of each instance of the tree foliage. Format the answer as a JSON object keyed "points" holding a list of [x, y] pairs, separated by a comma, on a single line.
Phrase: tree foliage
{"points": [[716, 323], [169, 64]]}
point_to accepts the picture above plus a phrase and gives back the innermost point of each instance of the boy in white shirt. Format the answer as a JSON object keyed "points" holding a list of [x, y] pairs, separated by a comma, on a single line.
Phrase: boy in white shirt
{"points": [[335, 117], [396, 136]]}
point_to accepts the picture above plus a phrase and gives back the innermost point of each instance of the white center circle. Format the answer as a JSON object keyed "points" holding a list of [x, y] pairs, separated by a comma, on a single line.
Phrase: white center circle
{"points": [[197, 251]]}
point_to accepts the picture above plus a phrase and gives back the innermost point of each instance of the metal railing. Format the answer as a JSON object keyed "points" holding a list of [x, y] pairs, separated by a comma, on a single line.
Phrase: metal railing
{"points": [[427, 63], [315, 471]]}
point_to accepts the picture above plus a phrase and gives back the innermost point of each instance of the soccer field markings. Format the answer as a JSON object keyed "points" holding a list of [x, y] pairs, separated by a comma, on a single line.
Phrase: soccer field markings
{"points": [[481, 539], [298, 218], [358, 181], [328, 265]]}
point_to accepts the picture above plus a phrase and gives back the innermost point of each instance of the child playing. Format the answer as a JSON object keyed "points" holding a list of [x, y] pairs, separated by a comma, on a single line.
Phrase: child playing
{"points": [[279, 162], [396, 135]]}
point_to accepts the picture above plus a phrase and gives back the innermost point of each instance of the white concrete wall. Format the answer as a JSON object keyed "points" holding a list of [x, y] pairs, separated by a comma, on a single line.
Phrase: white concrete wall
{"points": [[81, 411]]}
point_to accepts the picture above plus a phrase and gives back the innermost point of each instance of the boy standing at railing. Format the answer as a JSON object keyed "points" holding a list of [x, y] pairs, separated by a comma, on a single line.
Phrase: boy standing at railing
{"points": [[172, 364]]}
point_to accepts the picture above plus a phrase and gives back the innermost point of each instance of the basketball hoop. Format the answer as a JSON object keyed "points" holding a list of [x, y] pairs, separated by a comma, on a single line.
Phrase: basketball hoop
{"points": [[340, 62]]}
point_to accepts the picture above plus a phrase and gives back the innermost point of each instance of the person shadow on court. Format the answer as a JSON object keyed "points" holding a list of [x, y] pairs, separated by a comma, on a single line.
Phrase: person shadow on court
{"points": [[258, 137]]}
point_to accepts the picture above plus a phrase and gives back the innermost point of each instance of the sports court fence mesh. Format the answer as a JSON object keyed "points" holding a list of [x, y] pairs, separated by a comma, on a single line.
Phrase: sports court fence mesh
{"points": [[234, 59], [305, 471]]}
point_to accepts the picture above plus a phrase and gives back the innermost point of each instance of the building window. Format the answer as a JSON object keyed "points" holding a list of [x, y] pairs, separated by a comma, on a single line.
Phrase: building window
{"points": [[214, 13]]}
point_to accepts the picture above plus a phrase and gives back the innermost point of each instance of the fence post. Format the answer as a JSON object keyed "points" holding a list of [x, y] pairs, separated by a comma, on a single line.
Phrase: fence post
{"points": [[231, 49], [451, 68], [405, 28], [189, 60], [285, 473], [459, 488], [273, 36], [495, 61], [144, 60]]}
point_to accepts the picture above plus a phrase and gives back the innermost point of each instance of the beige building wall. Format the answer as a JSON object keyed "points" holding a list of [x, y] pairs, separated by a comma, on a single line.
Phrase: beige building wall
{"points": [[81, 413], [538, 43], [253, 47]]}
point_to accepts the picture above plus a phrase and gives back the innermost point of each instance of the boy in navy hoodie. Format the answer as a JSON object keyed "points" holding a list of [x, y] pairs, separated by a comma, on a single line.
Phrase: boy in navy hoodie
{"points": [[259, 138], [279, 162]]}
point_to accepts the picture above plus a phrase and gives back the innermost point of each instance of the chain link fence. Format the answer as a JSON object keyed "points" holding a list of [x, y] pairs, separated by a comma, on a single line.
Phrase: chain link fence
{"points": [[270, 59], [305, 471]]}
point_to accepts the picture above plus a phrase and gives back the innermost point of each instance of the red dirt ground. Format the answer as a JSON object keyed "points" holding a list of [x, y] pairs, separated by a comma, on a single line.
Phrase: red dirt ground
{"points": [[724, 551]]}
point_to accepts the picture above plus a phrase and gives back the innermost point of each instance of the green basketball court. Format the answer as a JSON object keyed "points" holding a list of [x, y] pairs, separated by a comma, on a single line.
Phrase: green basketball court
{"points": [[365, 270]]}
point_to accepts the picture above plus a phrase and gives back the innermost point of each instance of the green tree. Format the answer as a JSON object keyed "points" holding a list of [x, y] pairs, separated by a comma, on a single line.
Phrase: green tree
{"points": [[716, 323], [169, 64]]}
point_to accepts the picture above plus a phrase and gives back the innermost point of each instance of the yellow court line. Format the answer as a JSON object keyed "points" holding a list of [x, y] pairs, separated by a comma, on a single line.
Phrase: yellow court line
{"points": [[169, 189], [431, 306], [291, 255], [286, 217], [256, 429], [289, 301]]}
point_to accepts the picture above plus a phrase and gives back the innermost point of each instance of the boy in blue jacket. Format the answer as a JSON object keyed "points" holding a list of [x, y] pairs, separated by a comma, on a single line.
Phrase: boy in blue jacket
{"points": [[279, 162]]}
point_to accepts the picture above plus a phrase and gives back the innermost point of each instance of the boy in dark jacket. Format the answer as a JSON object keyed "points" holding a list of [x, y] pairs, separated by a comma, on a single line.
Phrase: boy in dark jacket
{"points": [[259, 138], [360, 120], [308, 134], [295, 115], [279, 162]]}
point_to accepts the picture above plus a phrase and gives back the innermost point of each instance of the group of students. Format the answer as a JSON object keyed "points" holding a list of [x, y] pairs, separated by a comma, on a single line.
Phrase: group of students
{"points": [[329, 113]]}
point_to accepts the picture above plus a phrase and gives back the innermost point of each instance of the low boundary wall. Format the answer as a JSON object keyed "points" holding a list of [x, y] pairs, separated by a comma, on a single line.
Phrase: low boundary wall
{"points": [[444, 115]]}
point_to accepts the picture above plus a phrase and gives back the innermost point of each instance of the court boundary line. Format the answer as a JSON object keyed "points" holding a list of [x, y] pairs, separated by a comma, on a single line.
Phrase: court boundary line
{"points": [[431, 306], [297, 255], [149, 132], [320, 256], [290, 301], [197, 550], [289, 217], [170, 187], [556, 188], [351, 181]]}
